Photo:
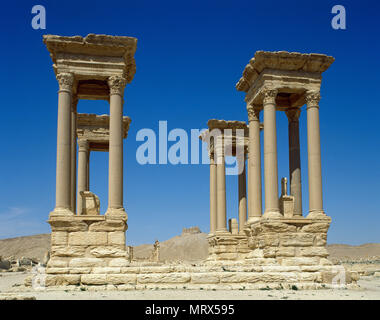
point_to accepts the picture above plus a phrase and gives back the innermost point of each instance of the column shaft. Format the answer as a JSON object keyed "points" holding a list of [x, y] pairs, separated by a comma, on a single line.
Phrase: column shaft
{"points": [[254, 166], [115, 174], [314, 155], [73, 153], [295, 159], [242, 197], [213, 195], [88, 171], [82, 172], [63, 175], [272, 209], [221, 190]]}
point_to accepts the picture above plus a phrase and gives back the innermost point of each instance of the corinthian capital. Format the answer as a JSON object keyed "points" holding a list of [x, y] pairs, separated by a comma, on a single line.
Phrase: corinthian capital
{"points": [[312, 98], [117, 85], [83, 145], [293, 114], [65, 81], [269, 95], [253, 113]]}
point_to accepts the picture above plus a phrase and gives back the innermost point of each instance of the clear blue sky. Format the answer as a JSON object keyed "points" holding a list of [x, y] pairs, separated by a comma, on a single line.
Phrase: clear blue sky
{"points": [[189, 56]]}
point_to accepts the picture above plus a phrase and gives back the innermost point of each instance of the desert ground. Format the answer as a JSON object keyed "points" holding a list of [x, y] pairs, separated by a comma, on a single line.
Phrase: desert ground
{"points": [[190, 247]]}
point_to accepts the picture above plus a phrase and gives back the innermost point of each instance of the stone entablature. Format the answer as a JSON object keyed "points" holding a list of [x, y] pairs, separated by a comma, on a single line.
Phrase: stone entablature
{"points": [[95, 129], [92, 60], [290, 73]]}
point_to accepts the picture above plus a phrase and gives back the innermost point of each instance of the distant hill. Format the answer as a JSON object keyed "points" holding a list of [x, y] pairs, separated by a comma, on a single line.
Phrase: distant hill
{"points": [[191, 245]]}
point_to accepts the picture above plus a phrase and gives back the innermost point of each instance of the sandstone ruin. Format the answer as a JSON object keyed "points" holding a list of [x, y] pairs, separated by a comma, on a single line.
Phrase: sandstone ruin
{"points": [[277, 248]]}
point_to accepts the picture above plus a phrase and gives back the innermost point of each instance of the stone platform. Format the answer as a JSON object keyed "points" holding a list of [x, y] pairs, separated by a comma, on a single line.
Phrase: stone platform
{"points": [[90, 252], [119, 274]]}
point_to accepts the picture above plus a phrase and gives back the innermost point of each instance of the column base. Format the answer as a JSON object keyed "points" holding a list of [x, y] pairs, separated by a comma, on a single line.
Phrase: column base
{"points": [[117, 213], [272, 215], [317, 215], [61, 212]]}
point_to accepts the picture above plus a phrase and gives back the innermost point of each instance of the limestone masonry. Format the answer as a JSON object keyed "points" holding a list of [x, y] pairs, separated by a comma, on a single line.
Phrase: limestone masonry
{"points": [[277, 247]]}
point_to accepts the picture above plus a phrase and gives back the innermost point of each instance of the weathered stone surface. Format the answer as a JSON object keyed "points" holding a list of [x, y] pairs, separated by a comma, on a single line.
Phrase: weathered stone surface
{"points": [[88, 238], [320, 239], [239, 277], [108, 252], [296, 239], [281, 269], [80, 270], [57, 270], [106, 270], [116, 238], [286, 252], [59, 238], [63, 251], [118, 262], [96, 279], [299, 261], [308, 276], [278, 227], [204, 278], [87, 262], [164, 278], [267, 277], [108, 226], [57, 263], [316, 227], [269, 252], [158, 269], [121, 278], [325, 262], [271, 240], [130, 269], [68, 225], [313, 252], [62, 280], [262, 261]]}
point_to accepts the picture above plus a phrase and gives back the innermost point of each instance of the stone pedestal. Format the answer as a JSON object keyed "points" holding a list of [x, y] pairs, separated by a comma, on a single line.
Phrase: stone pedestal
{"points": [[289, 242], [227, 247], [81, 243]]}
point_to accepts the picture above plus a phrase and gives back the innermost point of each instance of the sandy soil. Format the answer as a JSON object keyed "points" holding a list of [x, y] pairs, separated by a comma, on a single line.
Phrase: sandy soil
{"points": [[369, 290]]}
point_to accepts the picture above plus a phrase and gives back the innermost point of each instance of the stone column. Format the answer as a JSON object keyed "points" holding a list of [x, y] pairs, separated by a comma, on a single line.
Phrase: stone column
{"points": [[73, 152], [63, 175], [115, 174], [293, 115], [272, 209], [314, 156], [82, 171], [221, 223], [213, 194], [242, 196], [88, 171], [254, 165]]}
